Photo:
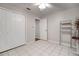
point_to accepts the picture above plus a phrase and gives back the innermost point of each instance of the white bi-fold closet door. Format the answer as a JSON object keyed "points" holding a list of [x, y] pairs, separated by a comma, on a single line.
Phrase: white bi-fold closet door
{"points": [[12, 29]]}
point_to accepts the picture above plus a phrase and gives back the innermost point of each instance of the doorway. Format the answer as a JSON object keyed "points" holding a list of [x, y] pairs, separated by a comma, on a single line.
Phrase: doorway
{"points": [[37, 29]]}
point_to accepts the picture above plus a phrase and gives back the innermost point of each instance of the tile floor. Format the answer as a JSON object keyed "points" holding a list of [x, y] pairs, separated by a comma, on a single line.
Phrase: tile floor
{"points": [[40, 48]]}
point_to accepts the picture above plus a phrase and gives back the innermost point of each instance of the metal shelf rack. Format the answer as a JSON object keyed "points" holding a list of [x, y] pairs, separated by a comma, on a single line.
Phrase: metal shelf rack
{"points": [[66, 28]]}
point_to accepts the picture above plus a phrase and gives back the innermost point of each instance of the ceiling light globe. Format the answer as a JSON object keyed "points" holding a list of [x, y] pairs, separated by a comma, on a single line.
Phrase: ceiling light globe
{"points": [[42, 6]]}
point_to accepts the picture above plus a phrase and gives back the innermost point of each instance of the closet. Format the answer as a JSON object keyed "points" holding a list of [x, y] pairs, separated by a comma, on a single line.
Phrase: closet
{"points": [[12, 29]]}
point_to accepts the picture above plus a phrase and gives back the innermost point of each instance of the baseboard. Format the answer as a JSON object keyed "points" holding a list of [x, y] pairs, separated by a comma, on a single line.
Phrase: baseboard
{"points": [[29, 42], [12, 48], [55, 42]]}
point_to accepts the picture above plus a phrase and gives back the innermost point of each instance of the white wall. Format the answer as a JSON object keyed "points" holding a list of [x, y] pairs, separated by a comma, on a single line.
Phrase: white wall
{"points": [[30, 27], [54, 23]]}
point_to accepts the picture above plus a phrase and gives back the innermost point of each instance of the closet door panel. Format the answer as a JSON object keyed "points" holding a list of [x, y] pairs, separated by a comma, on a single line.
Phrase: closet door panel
{"points": [[16, 30], [3, 32], [12, 30]]}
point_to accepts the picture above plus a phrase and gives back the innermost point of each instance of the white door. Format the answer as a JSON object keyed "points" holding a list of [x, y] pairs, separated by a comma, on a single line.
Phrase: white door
{"points": [[43, 29]]}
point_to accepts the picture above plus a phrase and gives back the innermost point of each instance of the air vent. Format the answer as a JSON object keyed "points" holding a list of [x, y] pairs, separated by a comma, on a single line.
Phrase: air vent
{"points": [[28, 8]]}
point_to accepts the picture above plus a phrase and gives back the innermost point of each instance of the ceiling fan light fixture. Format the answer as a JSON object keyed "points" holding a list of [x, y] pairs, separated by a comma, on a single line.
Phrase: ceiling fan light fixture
{"points": [[42, 6]]}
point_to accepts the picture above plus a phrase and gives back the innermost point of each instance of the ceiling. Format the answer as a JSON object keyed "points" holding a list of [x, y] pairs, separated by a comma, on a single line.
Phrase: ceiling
{"points": [[55, 7]]}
